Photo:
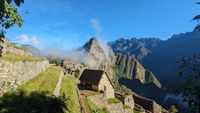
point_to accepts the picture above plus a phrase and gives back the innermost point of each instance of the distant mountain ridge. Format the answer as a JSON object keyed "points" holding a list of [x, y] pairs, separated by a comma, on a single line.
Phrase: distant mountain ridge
{"points": [[161, 56], [137, 48]]}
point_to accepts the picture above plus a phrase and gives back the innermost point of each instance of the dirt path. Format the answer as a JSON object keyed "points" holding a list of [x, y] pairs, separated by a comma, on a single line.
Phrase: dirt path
{"points": [[84, 104], [58, 85]]}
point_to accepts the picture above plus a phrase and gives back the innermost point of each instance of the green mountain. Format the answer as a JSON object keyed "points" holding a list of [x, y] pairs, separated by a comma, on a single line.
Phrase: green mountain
{"points": [[130, 68], [159, 56]]}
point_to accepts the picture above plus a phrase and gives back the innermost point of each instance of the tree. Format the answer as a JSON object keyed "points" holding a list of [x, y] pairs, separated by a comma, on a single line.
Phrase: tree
{"points": [[77, 73], [173, 109], [9, 17], [190, 88], [197, 18]]}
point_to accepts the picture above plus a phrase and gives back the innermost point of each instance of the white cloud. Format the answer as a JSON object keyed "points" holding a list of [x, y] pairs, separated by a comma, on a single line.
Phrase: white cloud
{"points": [[96, 25], [34, 40], [23, 38], [26, 39]]}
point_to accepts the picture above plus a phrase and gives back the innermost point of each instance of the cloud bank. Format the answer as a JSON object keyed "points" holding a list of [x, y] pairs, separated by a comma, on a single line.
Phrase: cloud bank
{"points": [[26, 39]]}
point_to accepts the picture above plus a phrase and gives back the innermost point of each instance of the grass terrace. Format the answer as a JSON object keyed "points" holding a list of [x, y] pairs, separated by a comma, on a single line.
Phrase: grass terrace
{"points": [[35, 96], [44, 82], [14, 58], [68, 88], [126, 107]]}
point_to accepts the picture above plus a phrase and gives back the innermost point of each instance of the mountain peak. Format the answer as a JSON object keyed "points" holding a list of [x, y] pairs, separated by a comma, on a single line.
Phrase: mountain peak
{"points": [[92, 44]]}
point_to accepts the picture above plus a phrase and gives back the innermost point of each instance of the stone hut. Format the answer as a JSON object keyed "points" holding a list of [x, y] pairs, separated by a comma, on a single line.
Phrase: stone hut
{"points": [[97, 80], [148, 104], [127, 99]]}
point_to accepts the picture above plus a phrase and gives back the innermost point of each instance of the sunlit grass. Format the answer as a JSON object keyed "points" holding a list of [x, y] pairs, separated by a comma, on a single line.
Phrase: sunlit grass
{"points": [[44, 82], [68, 88], [113, 100], [14, 58]]}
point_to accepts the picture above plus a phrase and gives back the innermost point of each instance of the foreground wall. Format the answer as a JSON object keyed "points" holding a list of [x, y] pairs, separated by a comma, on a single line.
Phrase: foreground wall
{"points": [[13, 74]]}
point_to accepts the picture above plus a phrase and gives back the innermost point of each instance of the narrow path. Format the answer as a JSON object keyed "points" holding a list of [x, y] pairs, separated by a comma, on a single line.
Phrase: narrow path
{"points": [[84, 104], [58, 85]]}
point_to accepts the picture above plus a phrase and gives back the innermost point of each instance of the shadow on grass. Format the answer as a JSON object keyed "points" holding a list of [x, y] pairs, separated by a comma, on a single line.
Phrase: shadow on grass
{"points": [[35, 102]]}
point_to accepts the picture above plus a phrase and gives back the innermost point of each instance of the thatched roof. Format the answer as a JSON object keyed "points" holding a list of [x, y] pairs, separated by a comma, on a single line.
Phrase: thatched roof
{"points": [[93, 76]]}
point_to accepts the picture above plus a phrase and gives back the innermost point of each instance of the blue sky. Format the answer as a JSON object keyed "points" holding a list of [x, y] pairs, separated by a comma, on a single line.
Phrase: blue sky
{"points": [[68, 24]]}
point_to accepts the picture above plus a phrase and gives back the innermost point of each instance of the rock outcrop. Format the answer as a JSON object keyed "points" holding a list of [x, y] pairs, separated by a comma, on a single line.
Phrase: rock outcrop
{"points": [[99, 56], [129, 67]]}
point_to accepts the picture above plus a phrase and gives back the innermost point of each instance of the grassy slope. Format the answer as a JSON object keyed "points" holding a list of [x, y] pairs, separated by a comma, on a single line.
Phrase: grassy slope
{"points": [[44, 82], [14, 58], [69, 89]]}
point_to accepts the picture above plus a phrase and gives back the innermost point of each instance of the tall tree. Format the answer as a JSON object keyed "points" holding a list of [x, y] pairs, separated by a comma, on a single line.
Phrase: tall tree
{"points": [[190, 88], [9, 17], [197, 18]]}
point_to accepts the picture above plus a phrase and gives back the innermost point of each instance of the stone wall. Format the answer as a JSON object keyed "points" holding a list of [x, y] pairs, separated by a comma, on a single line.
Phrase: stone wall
{"points": [[118, 108], [106, 86], [127, 99], [13, 74], [148, 104], [8, 47], [99, 100]]}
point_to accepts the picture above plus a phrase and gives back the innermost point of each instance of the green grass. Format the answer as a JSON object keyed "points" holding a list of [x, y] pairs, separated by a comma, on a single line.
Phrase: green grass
{"points": [[44, 82], [136, 111], [95, 109], [126, 107], [36, 95], [68, 88], [113, 100], [14, 58], [89, 92]]}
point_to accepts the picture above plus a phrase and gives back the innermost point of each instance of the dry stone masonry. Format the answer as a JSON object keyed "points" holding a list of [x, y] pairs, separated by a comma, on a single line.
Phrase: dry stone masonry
{"points": [[13, 74]]}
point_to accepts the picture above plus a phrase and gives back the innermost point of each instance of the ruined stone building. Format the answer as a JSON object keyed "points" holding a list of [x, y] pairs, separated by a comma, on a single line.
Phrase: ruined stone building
{"points": [[98, 80], [127, 99], [149, 105]]}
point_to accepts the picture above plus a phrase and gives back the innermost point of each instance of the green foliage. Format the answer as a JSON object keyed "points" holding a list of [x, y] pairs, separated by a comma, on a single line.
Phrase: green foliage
{"points": [[9, 17], [34, 102], [190, 88], [126, 107], [77, 73], [69, 89], [197, 18], [173, 109], [14, 58], [95, 109], [113, 100]]}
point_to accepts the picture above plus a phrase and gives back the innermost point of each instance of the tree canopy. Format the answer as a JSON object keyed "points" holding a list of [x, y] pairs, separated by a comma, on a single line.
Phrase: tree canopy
{"points": [[197, 18], [9, 16], [190, 88]]}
